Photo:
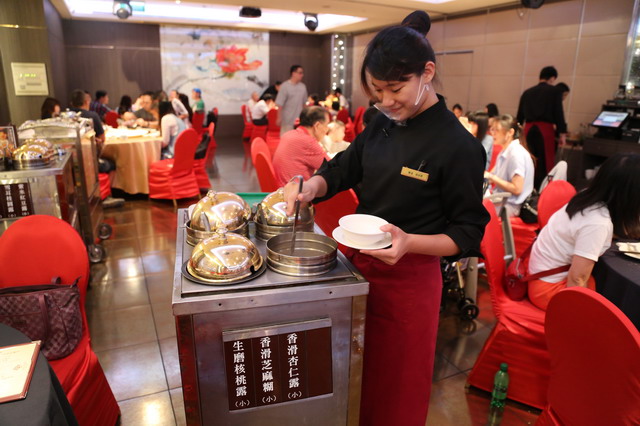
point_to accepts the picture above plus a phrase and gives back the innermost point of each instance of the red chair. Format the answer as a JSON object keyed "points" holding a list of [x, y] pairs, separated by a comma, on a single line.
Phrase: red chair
{"points": [[259, 145], [595, 362], [518, 336], [111, 119], [105, 185], [197, 121], [60, 252], [261, 158], [258, 132], [357, 120], [497, 149], [265, 172], [329, 212], [349, 131], [343, 115], [555, 195], [175, 178], [273, 131], [200, 165], [246, 133]]}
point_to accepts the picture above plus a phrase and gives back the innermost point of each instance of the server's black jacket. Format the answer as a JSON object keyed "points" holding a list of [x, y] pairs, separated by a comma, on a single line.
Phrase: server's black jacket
{"points": [[449, 202], [542, 103]]}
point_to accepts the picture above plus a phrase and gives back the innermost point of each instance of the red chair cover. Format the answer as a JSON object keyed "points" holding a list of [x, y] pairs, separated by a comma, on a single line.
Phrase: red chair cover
{"points": [[595, 362], [343, 115], [523, 234], [266, 175], [105, 185], [200, 165], [273, 131], [329, 212], [197, 121], [111, 119], [60, 251], [248, 125], [497, 149], [174, 178], [357, 120], [258, 132], [518, 336], [259, 145], [554, 196], [349, 131], [246, 134]]}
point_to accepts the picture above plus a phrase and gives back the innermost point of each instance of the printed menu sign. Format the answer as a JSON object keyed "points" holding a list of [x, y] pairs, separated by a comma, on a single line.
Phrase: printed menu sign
{"points": [[277, 364], [15, 200]]}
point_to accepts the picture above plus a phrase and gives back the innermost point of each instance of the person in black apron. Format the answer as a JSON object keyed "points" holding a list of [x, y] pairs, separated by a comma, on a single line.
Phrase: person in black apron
{"points": [[422, 171]]}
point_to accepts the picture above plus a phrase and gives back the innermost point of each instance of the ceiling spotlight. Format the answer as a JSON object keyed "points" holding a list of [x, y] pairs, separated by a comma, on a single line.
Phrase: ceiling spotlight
{"points": [[122, 9], [250, 12], [311, 21]]}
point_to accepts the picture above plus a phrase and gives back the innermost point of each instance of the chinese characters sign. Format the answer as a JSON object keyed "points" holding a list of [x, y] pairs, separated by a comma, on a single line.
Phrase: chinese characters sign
{"points": [[15, 200], [278, 364]]}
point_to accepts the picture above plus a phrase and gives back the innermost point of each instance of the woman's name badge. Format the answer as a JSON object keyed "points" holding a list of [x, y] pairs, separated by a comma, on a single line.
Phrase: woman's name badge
{"points": [[414, 174]]}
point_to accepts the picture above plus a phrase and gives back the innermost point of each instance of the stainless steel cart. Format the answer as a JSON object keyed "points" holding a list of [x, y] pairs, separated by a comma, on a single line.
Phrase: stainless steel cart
{"points": [[48, 191], [76, 135], [277, 350]]}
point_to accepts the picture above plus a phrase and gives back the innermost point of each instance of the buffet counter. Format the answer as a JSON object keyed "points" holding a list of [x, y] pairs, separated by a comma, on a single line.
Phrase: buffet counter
{"points": [[273, 350], [48, 190]]}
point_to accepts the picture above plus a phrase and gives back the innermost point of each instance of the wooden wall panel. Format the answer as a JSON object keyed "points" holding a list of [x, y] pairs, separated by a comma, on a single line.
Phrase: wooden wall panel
{"points": [[308, 50], [29, 43], [58, 54], [123, 59]]}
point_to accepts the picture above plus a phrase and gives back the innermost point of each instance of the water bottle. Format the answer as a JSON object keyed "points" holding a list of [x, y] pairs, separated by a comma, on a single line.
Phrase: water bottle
{"points": [[500, 385]]}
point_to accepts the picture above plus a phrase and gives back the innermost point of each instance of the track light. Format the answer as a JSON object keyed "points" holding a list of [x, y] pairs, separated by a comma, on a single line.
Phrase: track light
{"points": [[122, 9], [311, 21]]}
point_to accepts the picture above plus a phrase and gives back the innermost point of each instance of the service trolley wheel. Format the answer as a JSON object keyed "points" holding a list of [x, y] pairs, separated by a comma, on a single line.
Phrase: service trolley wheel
{"points": [[105, 231], [468, 309], [96, 253]]}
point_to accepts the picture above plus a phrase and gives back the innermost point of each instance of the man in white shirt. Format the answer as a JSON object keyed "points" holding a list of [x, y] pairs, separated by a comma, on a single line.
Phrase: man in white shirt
{"points": [[291, 99], [344, 103]]}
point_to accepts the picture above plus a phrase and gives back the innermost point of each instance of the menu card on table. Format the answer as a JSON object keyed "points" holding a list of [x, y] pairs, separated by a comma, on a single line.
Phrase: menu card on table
{"points": [[16, 369]]}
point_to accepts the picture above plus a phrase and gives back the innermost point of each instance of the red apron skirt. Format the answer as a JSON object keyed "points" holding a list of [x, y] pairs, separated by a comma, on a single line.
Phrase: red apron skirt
{"points": [[400, 338], [549, 136]]}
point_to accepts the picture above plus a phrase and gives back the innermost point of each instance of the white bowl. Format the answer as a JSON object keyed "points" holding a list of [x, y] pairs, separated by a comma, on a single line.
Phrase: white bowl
{"points": [[363, 229]]}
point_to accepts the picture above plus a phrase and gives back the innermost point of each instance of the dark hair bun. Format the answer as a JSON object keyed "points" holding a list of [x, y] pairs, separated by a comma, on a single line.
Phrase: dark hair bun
{"points": [[418, 21]]}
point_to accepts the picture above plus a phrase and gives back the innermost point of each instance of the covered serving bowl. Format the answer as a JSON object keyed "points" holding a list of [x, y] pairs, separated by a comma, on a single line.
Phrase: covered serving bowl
{"points": [[218, 210], [225, 257], [31, 157]]}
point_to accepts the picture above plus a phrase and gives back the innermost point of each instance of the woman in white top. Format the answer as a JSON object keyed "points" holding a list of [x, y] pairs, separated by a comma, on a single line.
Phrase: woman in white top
{"points": [[170, 127], [514, 168], [261, 109], [579, 233]]}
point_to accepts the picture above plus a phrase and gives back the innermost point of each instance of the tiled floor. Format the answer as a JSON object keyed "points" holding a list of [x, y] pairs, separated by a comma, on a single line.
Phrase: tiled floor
{"points": [[133, 331]]}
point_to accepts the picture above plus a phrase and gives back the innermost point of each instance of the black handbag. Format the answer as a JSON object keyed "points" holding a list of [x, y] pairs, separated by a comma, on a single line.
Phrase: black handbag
{"points": [[49, 313], [529, 209]]}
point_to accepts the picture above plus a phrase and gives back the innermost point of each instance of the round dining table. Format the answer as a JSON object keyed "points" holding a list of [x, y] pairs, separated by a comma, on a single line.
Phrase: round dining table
{"points": [[133, 154], [46, 402], [617, 278]]}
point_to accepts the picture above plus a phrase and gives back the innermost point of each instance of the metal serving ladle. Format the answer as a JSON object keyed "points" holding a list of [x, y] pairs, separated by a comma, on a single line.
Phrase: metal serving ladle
{"points": [[297, 212]]}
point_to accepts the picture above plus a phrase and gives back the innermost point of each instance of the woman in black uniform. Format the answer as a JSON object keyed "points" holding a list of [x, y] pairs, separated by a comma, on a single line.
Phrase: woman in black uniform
{"points": [[421, 171]]}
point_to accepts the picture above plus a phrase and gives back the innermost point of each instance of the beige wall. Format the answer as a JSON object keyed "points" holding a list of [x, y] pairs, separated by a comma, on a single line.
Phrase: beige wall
{"points": [[584, 39]]}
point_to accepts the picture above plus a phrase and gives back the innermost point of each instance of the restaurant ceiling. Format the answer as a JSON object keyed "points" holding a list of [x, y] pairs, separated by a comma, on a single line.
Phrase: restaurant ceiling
{"points": [[278, 15]]}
